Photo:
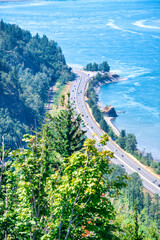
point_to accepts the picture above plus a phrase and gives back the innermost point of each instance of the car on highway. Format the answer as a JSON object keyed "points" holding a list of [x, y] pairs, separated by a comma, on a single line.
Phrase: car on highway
{"points": [[147, 177]]}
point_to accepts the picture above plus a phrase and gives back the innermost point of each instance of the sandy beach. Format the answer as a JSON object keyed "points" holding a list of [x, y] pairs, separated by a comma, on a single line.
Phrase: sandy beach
{"points": [[110, 123]]}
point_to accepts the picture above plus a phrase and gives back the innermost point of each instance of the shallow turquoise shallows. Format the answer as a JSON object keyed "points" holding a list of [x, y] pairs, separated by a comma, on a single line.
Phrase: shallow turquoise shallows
{"points": [[125, 33]]}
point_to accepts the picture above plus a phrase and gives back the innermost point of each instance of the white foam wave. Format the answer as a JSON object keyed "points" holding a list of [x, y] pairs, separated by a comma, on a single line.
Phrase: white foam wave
{"points": [[137, 73], [155, 36], [140, 23], [24, 5], [130, 102], [137, 84], [114, 26], [130, 90]]}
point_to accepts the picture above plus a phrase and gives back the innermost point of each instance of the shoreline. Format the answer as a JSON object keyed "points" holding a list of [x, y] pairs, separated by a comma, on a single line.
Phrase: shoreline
{"points": [[111, 124], [113, 79], [109, 121]]}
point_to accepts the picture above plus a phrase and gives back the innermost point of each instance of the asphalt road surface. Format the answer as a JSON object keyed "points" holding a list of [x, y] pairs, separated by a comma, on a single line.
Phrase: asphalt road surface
{"points": [[77, 90]]}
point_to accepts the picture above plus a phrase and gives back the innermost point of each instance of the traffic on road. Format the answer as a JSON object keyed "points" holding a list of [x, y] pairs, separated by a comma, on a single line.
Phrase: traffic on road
{"points": [[77, 95]]}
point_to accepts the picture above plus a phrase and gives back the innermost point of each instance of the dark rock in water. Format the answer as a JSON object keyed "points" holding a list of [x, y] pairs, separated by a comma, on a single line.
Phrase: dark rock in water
{"points": [[109, 111]]}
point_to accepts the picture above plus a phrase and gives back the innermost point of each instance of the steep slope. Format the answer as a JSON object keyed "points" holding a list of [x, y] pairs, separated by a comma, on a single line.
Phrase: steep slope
{"points": [[28, 67]]}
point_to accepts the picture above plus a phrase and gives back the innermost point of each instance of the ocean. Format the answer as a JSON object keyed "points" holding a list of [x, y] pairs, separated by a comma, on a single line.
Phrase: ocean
{"points": [[126, 33]]}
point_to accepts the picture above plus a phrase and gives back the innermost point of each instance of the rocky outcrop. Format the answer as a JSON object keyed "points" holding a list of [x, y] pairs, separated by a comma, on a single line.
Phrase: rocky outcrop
{"points": [[109, 111]]}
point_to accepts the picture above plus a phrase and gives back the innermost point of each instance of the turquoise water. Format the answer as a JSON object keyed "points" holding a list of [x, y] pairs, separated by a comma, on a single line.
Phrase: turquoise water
{"points": [[125, 33]]}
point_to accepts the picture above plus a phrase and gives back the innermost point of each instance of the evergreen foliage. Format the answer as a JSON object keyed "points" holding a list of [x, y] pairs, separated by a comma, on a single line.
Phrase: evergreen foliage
{"points": [[103, 67], [129, 143], [29, 66], [64, 130], [142, 220]]}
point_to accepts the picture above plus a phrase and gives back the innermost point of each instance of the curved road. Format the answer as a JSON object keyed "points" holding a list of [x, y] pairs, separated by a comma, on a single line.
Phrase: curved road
{"points": [[77, 90]]}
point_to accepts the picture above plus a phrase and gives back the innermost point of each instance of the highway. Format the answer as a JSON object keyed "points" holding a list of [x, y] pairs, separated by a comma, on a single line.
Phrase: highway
{"points": [[77, 90]]}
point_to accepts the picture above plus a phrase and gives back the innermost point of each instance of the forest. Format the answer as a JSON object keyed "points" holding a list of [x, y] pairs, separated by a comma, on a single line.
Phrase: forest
{"points": [[29, 66]]}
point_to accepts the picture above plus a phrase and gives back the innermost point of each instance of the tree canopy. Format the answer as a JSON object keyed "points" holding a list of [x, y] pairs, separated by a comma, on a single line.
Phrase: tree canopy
{"points": [[29, 66], [103, 67]]}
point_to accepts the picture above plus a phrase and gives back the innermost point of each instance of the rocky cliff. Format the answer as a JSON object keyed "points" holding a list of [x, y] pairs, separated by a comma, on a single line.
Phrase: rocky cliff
{"points": [[109, 111]]}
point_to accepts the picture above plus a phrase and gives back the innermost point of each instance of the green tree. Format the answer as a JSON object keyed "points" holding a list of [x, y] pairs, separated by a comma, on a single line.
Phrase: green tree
{"points": [[148, 159], [104, 67], [131, 143], [147, 203], [64, 130], [122, 133], [59, 199], [95, 66], [96, 113], [104, 126], [29, 66], [134, 192], [155, 210], [121, 142], [88, 67], [33, 168], [136, 235], [7, 195], [82, 207]]}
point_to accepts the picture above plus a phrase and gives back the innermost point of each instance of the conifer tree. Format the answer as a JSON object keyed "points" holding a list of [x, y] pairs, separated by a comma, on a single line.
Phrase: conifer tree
{"points": [[136, 235], [147, 203], [64, 130]]}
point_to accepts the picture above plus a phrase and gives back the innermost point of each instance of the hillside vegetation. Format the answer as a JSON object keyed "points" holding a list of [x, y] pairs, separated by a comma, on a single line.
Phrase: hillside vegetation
{"points": [[28, 67], [62, 187]]}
